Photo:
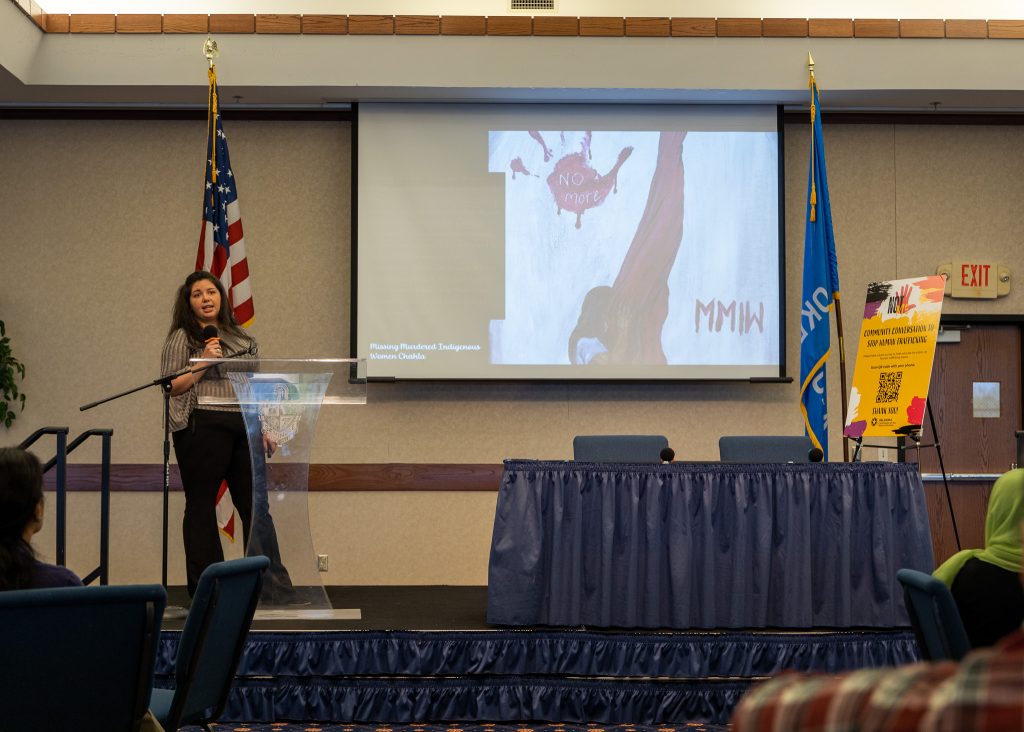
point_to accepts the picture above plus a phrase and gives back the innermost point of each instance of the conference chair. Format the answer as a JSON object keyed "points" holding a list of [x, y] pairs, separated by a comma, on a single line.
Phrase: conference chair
{"points": [[78, 658], [765, 449], [934, 616], [211, 644], [618, 448]]}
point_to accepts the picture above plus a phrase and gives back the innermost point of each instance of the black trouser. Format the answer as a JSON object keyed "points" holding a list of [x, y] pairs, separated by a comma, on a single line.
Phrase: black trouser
{"points": [[213, 447]]}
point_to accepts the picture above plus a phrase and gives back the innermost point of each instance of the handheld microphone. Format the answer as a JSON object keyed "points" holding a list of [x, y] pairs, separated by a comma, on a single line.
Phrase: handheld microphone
{"points": [[667, 454], [815, 455], [210, 334]]}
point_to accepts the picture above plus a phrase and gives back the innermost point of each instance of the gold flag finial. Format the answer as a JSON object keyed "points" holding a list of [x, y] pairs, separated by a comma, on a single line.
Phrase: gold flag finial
{"points": [[810, 62], [210, 50]]}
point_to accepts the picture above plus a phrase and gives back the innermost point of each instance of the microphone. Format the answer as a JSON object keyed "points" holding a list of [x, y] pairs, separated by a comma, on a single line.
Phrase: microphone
{"points": [[667, 454], [210, 334], [815, 455]]}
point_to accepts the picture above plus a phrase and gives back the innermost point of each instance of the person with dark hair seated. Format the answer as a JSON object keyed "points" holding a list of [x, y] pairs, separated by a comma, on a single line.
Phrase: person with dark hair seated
{"points": [[21, 518], [984, 582]]}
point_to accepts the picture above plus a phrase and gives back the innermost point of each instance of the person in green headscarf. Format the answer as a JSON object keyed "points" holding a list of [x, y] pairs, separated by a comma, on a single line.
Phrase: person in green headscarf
{"points": [[985, 582]]}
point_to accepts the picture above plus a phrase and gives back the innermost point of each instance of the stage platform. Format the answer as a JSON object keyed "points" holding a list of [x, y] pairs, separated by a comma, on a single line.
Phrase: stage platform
{"points": [[427, 654]]}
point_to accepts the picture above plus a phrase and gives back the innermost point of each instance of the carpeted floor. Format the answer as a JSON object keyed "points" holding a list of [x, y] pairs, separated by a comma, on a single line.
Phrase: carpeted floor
{"points": [[521, 727]]}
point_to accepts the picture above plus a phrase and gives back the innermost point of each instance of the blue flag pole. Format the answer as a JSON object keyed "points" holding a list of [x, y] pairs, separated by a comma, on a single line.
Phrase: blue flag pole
{"points": [[820, 294]]}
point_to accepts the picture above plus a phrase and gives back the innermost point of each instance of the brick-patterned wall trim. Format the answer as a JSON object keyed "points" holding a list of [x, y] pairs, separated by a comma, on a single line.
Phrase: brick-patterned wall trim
{"points": [[325, 24], [1006, 29], [876, 28], [785, 27], [139, 23], [518, 25], [602, 26], [830, 28], [371, 25], [463, 25], [966, 29], [417, 25], [278, 23], [186, 23], [510, 26], [694, 27], [232, 23], [922, 29], [93, 23], [650, 27], [740, 27], [556, 26]]}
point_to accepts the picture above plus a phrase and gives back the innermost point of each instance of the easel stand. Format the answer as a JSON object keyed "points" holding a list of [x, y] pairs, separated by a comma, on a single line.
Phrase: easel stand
{"points": [[914, 435]]}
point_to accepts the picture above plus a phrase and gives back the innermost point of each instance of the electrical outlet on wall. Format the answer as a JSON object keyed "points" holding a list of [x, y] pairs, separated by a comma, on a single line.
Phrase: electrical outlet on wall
{"points": [[321, 562]]}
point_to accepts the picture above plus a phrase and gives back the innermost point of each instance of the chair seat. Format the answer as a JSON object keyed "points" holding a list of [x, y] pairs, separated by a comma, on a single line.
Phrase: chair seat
{"points": [[160, 704], [211, 643]]}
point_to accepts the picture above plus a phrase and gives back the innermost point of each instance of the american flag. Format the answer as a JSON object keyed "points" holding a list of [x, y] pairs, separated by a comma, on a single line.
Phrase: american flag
{"points": [[221, 243], [222, 248]]}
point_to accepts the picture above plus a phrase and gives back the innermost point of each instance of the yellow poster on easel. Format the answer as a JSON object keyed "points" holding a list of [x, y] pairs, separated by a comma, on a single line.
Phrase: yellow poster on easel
{"points": [[894, 357]]}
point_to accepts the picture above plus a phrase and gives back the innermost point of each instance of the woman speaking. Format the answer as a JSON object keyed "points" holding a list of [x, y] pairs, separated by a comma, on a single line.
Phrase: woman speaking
{"points": [[210, 441]]}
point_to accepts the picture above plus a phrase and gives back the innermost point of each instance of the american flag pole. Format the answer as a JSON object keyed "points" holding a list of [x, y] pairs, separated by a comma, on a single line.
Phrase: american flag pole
{"points": [[221, 240]]}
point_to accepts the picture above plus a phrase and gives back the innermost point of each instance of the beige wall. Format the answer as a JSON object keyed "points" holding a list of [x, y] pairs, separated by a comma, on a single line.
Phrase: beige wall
{"points": [[100, 223]]}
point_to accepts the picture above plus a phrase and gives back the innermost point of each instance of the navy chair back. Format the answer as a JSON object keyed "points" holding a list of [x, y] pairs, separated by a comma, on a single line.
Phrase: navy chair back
{"points": [[934, 616], [211, 643], [618, 448], [765, 449], [78, 658]]}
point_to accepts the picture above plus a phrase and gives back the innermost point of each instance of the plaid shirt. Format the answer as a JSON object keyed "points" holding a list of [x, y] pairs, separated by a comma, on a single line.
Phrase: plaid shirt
{"points": [[982, 693]]}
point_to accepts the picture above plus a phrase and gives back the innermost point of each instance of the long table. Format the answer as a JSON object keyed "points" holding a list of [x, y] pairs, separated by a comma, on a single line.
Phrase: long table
{"points": [[705, 545]]}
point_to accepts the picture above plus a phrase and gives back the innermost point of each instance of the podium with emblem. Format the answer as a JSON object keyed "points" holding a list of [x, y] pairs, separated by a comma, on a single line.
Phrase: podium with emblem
{"points": [[280, 400]]}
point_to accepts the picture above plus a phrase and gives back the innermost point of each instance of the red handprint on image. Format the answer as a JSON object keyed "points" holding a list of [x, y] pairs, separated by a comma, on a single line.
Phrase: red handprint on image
{"points": [[904, 299]]}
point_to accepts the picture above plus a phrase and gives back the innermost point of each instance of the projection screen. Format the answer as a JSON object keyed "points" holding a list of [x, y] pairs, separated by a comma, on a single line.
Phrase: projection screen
{"points": [[568, 242]]}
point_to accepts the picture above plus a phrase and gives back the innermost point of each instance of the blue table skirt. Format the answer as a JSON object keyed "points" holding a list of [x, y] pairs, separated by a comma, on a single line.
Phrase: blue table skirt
{"points": [[705, 545]]}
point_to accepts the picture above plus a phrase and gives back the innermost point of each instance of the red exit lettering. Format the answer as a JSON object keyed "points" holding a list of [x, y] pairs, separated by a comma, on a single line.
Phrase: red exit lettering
{"points": [[974, 275]]}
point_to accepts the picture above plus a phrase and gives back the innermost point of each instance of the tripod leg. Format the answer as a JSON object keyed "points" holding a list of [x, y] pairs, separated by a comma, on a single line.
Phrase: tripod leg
{"points": [[945, 479]]}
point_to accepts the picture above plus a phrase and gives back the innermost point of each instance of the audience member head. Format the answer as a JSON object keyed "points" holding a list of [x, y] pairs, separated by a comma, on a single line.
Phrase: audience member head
{"points": [[667, 454], [21, 514], [1005, 515]]}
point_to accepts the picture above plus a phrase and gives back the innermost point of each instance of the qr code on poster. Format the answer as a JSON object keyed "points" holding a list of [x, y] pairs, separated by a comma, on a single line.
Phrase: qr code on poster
{"points": [[888, 386]]}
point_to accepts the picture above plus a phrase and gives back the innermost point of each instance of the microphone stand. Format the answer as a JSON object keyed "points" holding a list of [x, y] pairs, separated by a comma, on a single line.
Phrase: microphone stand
{"points": [[171, 612]]}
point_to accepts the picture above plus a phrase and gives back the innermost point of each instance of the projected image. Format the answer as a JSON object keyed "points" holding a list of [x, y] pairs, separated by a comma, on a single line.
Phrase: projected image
{"points": [[637, 248], [568, 242]]}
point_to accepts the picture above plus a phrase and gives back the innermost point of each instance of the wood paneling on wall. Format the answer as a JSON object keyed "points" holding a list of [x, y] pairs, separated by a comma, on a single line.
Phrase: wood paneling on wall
{"points": [[970, 502], [415, 477]]}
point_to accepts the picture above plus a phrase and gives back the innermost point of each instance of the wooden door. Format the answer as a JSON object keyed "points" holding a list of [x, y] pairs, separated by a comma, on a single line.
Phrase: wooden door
{"points": [[985, 354]]}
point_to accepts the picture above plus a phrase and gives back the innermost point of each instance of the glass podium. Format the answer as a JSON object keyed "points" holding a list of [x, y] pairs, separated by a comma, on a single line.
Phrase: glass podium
{"points": [[280, 400]]}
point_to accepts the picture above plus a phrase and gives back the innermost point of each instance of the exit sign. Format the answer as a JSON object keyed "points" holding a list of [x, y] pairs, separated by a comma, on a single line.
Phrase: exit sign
{"points": [[974, 279]]}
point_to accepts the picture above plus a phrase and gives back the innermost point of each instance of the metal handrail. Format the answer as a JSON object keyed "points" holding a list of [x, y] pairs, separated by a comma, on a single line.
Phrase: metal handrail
{"points": [[103, 570], [60, 460]]}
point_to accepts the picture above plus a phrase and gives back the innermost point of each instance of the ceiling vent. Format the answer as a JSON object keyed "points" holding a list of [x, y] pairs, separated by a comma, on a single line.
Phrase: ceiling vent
{"points": [[533, 6]]}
